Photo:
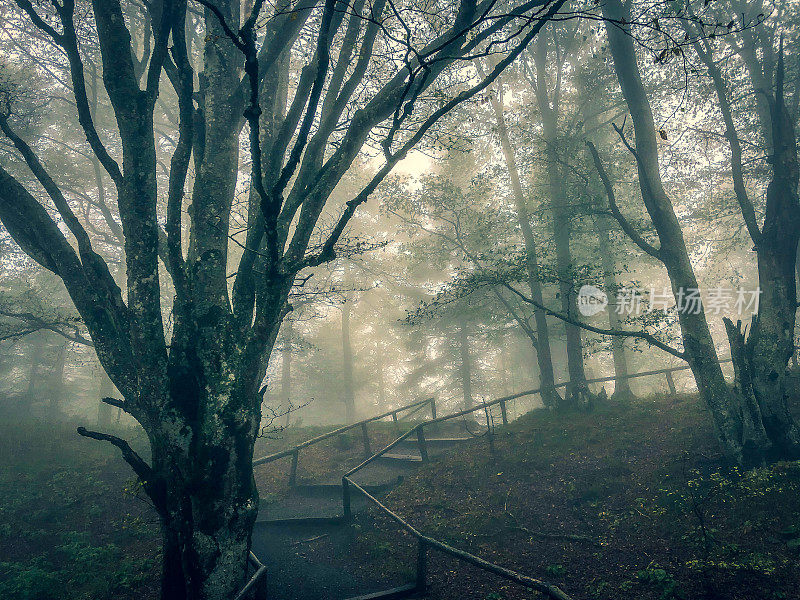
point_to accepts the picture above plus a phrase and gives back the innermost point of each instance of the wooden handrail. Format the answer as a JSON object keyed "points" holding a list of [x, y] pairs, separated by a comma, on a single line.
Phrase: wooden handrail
{"points": [[418, 406], [484, 405], [335, 432], [641, 373], [261, 571], [252, 583], [428, 542], [424, 541]]}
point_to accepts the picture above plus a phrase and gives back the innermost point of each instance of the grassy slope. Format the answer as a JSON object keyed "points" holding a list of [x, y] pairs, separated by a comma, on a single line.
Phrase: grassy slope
{"points": [[73, 523], [642, 483]]}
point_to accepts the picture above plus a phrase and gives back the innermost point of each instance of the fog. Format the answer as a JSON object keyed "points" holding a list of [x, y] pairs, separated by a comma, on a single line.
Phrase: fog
{"points": [[437, 298]]}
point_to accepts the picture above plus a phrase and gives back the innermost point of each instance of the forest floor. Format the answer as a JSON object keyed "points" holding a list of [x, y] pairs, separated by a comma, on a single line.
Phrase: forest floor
{"points": [[639, 487], [74, 523], [629, 501]]}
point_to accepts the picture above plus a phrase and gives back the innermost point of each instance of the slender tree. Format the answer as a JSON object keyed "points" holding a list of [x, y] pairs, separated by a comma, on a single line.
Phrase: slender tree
{"points": [[736, 417], [550, 396]]}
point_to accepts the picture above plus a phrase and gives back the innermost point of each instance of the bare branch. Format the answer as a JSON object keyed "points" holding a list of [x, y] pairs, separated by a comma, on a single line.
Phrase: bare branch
{"points": [[327, 252], [153, 487], [627, 227], [643, 335]]}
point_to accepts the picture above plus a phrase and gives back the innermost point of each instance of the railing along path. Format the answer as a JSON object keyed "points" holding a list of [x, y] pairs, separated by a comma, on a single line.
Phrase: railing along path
{"points": [[424, 542]]}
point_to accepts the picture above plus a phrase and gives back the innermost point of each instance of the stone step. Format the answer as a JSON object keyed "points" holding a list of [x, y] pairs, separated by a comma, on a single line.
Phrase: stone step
{"points": [[402, 458]]}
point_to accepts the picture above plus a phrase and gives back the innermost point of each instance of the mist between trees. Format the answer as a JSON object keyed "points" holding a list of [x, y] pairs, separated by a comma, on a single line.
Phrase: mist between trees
{"points": [[224, 219]]}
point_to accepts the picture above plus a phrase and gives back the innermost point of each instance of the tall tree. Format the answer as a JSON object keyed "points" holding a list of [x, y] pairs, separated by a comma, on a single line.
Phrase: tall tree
{"points": [[550, 396], [347, 364], [761, 359], [736, 417], [549, 99]]}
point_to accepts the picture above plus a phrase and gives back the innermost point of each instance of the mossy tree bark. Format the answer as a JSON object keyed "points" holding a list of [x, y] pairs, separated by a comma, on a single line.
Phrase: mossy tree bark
{"points": [[761, 358]]}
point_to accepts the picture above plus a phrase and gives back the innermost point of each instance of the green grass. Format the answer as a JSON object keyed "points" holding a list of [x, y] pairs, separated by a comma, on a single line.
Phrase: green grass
{"points": [[72, 524]]}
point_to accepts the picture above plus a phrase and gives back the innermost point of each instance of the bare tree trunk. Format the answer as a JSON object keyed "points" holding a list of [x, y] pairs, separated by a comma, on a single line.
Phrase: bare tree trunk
{"points": [[55, 379], [286, 368], [577, 391], [35, 361], [603, 225], [550, 397], [347, 364], [742, 437], [466, 362], [622, 388]]}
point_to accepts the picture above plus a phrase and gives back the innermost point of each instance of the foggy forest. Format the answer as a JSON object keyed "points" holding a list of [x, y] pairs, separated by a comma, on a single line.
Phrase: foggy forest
{"points": [[363, 299]]}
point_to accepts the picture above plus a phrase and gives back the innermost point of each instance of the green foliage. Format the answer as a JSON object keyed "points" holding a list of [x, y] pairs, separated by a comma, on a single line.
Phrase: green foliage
{"points": [[660, 580], [64, 503], [32, 580], [88, 571], [555, 570]]}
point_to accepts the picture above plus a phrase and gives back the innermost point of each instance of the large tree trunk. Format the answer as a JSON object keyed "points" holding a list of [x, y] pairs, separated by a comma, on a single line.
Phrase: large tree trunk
{"points": [[209, 508], [770, 344], [761, 360], [742, 437], [772, 331], [550, 397]]}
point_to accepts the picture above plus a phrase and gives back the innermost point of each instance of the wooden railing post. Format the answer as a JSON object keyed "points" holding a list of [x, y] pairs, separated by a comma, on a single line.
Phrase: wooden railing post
{"points": [[433, 408], [346, 508], [422, 566], [670, 382], [504, 412], [423, 447], [394, 422], [293, 473], [365, 438]]}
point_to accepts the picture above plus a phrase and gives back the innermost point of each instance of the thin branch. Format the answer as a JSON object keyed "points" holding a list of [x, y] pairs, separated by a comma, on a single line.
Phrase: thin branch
{"points": [[642, 335], [327, 252], [139, 466], [627, 227]]}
